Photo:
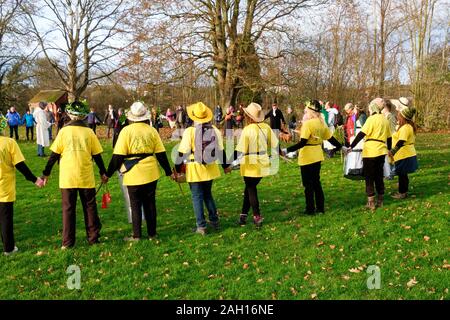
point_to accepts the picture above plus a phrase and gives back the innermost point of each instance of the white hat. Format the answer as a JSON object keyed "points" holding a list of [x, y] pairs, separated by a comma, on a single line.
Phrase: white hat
{"points": [[401, 103], [138, 112]]}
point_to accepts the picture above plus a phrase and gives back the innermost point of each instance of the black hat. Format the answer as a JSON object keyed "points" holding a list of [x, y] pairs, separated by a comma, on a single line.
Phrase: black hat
{"points": [[314, 105]]}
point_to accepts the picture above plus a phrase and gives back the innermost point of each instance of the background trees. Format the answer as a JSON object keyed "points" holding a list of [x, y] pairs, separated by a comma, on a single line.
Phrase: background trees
{"points": [[228, 51]]}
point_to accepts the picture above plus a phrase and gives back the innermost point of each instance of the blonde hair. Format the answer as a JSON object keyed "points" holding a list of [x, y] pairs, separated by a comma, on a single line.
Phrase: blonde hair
{"points": [[311, 114]]}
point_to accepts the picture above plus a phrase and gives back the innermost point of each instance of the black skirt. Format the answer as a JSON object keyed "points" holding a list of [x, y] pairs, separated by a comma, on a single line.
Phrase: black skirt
{"points": [[406, 166]]}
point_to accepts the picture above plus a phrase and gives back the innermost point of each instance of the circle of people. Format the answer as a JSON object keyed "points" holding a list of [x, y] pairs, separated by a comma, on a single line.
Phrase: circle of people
{"points": [[377, 140]]}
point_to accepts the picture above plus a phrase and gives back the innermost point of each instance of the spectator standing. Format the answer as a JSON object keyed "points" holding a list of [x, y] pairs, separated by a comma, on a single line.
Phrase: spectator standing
{"points": [[276, 117], [93, 120], [51, 120], [29, 122], [42, 125], [110, 119], [13, 118]]}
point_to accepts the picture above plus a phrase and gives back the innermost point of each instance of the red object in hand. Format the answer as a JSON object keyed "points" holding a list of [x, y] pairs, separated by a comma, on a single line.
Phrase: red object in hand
{"points": [[105, 201]]}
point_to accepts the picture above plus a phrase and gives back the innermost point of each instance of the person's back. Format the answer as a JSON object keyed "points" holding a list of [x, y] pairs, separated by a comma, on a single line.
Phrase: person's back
{"points": [[76, 144], [140, 139]]}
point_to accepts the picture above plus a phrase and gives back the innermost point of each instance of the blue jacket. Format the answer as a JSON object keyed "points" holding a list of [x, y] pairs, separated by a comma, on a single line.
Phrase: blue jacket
{"points": [[13, 118], [28, 120]]}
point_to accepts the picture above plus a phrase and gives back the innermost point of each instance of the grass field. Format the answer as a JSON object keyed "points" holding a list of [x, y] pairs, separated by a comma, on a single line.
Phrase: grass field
{"points": [[292, 257]]}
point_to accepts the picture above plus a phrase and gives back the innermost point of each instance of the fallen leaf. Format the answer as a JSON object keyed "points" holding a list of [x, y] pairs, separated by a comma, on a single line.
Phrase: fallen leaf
{"points": [[314, 296], [245, 266], [354, 270], [411, 283], [426, 238]]}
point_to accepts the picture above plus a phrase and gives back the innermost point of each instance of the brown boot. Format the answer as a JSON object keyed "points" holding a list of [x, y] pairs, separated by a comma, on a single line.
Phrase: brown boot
{"points": [[371, 203], [380, 201], [400, 196]]}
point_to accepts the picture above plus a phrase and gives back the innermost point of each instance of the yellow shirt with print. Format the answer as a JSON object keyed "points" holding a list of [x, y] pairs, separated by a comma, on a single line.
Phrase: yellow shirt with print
{"points": [[405, 133], [315, 131], [10, 155], [254, 143], [139, 138], [76, 145], [197, 172], [378, 128]]}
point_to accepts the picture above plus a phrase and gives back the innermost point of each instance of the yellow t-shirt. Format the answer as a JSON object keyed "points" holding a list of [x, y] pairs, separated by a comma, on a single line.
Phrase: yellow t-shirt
{"points": [[315, 131], [197, 172], [377, 127], [406, 133], [254, 143], [76, 145], [10, 155], [138, 138]]}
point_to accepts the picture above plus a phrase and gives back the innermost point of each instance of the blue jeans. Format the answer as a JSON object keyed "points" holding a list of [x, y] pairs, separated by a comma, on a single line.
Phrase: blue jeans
{"points": [[201, 193], [40, 150]]}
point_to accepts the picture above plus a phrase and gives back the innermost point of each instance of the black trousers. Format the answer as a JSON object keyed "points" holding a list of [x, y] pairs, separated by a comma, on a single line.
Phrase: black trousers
{"points": [[91, 218], [30, 130], [314, 197], [14, 130], [403, 183], [143, 196], [6, 223], [93, 126], [373, 172], [251, 196]]}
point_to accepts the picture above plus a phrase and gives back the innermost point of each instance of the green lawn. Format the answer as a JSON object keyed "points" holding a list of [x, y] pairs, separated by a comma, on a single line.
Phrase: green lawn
{"points": [[292, 257]]}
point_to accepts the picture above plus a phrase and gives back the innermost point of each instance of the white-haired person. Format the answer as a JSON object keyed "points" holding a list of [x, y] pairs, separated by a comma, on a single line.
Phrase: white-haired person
{"points": [[313, 133], [202, 148], [11, 158], [404, 152], [42, 126], [377, 136], [137, 152], [74, 148]]}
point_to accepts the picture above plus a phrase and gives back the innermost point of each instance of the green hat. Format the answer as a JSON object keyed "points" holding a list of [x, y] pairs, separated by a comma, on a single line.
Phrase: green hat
{"points": [[3, 123], [313, 105], [408, 113], [78, 109]]}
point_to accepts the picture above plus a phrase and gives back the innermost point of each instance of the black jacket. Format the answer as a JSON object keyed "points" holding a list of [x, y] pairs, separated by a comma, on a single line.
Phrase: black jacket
{"points": [[275, 121]]}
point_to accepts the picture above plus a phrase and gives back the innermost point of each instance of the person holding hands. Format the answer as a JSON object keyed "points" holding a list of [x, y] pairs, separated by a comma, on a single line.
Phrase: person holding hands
{"points": [[74, 148], [11, 158]]}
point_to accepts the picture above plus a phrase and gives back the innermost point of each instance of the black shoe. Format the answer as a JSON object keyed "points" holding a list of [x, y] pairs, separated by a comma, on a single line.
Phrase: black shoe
{"points": [[309, 212], [242, 220], [215, 225]]}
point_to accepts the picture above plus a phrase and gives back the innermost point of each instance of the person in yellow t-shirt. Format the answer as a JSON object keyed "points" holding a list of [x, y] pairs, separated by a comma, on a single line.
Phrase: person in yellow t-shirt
{"points": [[137, 152], [404, 152], [255, 142], [378, 140], [202, 148], [11, 158], [312, 134], [74, 147]]}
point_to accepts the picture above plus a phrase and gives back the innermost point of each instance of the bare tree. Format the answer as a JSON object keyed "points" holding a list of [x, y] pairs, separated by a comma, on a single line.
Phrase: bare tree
{"points": [[221, 34], [81, 41]]}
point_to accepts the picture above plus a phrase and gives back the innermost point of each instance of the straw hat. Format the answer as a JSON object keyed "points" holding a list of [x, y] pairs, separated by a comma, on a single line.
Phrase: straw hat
{"points": [[255, 112], [400, 103], [138, 112], [199, 112]]}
